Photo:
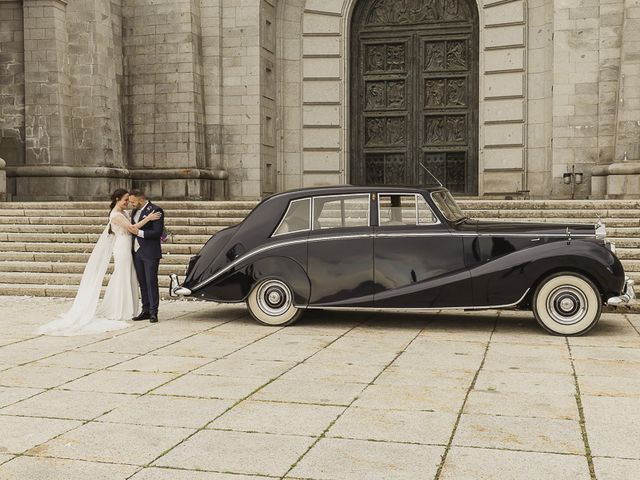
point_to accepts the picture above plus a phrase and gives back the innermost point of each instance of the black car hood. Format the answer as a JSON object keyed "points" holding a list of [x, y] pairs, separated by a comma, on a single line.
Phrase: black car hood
{"points": [[533, 228]]}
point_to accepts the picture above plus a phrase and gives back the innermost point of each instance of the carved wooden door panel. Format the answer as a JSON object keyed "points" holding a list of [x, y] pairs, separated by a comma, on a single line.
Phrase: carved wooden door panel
{"points": [[414, 93]]}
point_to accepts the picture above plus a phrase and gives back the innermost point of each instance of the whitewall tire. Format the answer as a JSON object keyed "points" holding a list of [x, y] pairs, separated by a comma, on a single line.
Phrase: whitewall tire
{"points": [[567, 304], [271, 303]]}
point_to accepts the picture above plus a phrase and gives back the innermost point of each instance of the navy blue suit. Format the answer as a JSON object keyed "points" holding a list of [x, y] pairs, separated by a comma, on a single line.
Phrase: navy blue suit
{"points": [[147, 258]]}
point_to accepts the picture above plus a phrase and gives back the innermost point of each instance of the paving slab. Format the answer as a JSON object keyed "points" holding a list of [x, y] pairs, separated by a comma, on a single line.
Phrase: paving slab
{"points": [[113, 443], [613, 425], [68, 404], [522, 404], [394, 426], [27, 432], [411, 397], [210, 386], [34, 468], [168, 411], [39, 377], [525, 382], [489, 464], [111, 381], [9, 395], [323, 393], [84, 360], [161, 364], [426, 376], [156, 473], [234, 366], [279, 418], [616, 468], [520, 433], [610, 386], [339, 459], [333, 372], [227, 452]]}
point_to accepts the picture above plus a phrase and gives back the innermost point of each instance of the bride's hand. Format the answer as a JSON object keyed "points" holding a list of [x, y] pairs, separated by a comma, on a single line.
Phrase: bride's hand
{"points": [[154, 216]]}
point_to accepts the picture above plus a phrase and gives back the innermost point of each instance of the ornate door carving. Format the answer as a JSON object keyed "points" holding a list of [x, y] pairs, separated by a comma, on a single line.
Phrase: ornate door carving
{"points": [[414, 93]]}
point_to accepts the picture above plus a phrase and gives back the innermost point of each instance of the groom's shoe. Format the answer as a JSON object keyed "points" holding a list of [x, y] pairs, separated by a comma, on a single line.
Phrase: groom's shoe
{"points": [[153, 318], [142, 316]]}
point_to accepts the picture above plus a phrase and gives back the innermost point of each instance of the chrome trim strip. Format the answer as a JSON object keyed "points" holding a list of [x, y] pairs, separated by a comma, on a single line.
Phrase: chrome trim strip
{"points": [[418, 309]]}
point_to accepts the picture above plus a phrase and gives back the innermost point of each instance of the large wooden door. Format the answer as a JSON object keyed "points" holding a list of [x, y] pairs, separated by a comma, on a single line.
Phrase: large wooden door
{"points": [[414, 93]]}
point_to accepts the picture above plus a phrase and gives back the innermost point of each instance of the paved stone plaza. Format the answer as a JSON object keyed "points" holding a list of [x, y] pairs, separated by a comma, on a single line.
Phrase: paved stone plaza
{"points": [[207, 394]]}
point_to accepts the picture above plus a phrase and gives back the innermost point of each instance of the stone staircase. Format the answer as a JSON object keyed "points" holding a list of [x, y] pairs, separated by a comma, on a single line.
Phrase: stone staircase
{"points": [[44, 246]]}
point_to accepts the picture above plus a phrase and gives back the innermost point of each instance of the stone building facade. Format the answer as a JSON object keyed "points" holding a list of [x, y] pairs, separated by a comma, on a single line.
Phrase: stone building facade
{"points": [[211, 99]]}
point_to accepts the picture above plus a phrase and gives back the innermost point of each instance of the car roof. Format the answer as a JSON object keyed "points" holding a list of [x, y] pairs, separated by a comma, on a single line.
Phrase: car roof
{"points": [[346, 189]]}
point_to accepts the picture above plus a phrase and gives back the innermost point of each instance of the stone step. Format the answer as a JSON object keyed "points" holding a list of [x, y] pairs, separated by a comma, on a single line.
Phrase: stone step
{"points": [[165, 205], [63, 278], [589, 216], [62, 291], [97, 229], [170, 222], [80, 247], [69, 238], [103, 214], [549, 204], [173, 259], [74, 267]]}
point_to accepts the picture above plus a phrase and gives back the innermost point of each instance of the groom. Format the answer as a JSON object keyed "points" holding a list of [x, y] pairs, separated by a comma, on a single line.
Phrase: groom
{"points": [[147, 253]]}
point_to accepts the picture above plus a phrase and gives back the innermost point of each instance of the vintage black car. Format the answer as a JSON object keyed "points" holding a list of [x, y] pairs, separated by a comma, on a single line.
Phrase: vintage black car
{"points": [[404, 248]]}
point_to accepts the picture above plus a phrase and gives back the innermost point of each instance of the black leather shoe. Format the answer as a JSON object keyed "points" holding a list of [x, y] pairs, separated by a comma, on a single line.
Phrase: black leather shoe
{"points": [[153, 319], [142, 316]]}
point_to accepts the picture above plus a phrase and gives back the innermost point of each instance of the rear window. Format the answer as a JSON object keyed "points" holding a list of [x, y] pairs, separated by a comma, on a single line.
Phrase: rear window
{"points": [[341, 211], [297, 217]]}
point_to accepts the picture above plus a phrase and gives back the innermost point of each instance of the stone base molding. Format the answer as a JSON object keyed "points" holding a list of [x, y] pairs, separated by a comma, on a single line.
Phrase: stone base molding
{"points": [[53, 182], [617, 180], [3, 181]]}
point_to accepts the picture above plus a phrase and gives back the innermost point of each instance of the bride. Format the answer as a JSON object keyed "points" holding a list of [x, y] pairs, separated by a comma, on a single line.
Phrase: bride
{"points": [[121, 298]]}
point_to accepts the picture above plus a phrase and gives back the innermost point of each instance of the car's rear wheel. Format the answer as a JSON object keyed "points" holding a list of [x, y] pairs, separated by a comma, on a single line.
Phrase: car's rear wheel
{"points": [[271, 303], [567, 304]]}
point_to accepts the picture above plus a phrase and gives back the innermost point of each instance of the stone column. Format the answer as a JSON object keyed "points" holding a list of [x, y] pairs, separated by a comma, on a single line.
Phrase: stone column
{"points": [[621, 177], [3, 181], [47, 92], [165, 109]]}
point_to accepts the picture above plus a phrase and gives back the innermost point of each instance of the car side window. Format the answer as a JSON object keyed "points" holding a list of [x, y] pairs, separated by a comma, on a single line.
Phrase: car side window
{"points": [[341, 211], [297, 218], [404, 209]]}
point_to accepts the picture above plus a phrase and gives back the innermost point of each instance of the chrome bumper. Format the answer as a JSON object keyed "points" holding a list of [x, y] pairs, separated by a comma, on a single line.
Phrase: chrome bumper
{"points": [[175, 290], [628, 295]]}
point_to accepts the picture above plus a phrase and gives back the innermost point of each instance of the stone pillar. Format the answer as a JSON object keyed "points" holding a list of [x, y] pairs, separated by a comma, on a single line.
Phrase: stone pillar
{"points": [[620, 176], [47, 95], [11, 87], [165, 109], [241, 97], [3, 181]]}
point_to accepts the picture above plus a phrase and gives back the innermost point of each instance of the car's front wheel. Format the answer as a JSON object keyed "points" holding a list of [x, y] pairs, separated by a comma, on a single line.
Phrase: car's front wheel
{"points": [[271, 303], [567, 304]]}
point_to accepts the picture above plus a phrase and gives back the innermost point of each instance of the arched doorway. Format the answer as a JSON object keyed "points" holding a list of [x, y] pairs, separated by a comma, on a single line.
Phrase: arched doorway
{"points": [[414, 93]]}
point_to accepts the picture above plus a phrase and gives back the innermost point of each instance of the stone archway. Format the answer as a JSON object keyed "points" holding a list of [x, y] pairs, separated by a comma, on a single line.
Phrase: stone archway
{"points": [[414, 93]]}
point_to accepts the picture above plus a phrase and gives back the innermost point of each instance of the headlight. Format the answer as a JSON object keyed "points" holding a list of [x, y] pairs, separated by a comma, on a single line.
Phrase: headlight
{"points": [[611, 246]]}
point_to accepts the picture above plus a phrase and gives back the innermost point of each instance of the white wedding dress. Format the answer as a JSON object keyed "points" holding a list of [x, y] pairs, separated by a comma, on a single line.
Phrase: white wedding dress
{"points": [[121, 298]]}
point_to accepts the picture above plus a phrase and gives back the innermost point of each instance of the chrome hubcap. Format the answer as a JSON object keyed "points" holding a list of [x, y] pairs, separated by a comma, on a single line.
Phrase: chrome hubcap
{"points": [[567, 305], [274, 297]]}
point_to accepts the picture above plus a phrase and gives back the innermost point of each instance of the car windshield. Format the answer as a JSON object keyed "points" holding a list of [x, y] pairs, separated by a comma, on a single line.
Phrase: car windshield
{"points": [[448, 206]]}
